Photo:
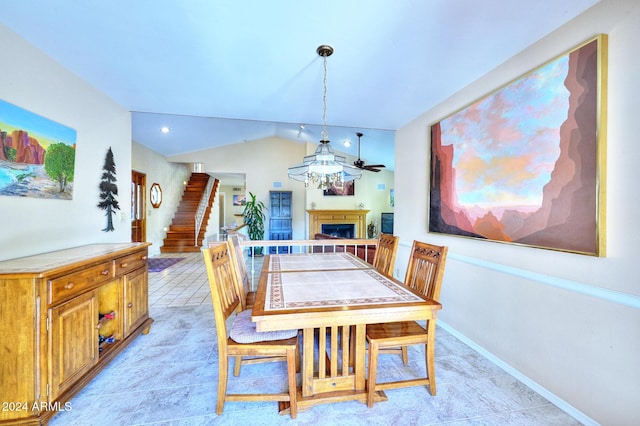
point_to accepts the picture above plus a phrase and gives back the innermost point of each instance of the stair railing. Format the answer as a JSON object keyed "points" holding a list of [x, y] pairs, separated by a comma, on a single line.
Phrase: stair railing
{"points": [[202, 208]]}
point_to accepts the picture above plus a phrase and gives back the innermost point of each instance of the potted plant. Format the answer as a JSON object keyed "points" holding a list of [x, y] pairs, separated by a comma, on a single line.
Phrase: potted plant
{"points": [[254, 218]]}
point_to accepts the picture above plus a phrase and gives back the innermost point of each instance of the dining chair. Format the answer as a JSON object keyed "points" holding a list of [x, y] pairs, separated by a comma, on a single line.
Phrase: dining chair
{"points": [[241, 268], [241, 338], [385, 258], [424, 274]]}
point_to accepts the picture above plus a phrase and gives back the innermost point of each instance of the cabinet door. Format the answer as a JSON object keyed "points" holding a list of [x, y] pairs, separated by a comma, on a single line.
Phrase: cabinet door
{"points": [[280, 204], [73, 341], [136, 299], [285, 204], [274, 208]]}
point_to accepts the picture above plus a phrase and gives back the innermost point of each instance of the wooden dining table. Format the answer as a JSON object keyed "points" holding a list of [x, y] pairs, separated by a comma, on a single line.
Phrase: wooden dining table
{"points": [[331, 297]]}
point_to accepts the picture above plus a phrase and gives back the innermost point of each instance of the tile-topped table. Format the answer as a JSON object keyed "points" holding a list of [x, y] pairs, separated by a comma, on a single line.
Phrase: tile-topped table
{"points": [[333, 295], [315, 262]]}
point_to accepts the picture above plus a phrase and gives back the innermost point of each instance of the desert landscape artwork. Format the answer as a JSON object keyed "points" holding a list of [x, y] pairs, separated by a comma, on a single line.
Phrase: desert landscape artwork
{"points": [[37, 155], [525, 165]]}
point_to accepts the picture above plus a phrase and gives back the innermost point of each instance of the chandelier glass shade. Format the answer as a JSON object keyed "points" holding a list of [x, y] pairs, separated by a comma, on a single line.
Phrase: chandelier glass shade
{"points": [[324, 169]]}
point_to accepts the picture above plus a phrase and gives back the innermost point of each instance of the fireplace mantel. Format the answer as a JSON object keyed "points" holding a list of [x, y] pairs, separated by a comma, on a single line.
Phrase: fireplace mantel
{"points": [[319, 217]]}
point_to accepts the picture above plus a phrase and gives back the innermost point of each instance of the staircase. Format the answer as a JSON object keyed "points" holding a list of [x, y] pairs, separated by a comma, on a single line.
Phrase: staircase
{"points": [[181, 234]]}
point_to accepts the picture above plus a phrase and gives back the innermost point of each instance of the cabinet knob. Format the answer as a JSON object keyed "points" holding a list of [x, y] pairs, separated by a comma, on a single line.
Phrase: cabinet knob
{"points": [[144, 258], [129, 305], [69, 286], [105, 272], [124, 264]]}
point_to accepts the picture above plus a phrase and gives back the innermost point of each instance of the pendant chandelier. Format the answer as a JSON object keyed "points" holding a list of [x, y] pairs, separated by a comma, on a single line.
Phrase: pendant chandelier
{"points": [[324, 169]]}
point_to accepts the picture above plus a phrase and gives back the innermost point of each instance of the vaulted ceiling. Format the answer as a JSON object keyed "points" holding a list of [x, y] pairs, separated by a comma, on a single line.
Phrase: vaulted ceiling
{"points": [[228, 71]]}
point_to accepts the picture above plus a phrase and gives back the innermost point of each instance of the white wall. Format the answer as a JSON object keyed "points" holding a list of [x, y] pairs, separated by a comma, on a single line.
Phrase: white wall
{"points": [[171, 177], [568, 323], [33, 81]]}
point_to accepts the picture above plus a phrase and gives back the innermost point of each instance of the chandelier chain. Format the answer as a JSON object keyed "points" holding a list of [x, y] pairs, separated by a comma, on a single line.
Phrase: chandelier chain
{"points": [[325, 134]]}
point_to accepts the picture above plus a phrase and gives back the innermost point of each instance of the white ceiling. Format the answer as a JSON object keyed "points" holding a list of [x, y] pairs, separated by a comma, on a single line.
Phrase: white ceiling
{"points": [[227, 71]]}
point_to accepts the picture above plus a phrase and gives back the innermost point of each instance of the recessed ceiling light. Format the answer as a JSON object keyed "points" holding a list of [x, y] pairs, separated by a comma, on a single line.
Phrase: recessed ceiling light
{"points": [[347, 143], [165, 129]]}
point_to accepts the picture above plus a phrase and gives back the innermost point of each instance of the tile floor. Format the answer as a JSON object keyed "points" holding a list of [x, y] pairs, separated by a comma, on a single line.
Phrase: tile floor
{"points": [[168, 377]]}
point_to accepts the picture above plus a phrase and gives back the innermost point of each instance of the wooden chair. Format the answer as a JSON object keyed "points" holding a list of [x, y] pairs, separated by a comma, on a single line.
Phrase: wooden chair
{"points": [[241, 268], [385, 258], [242, 339], [424, 274]]}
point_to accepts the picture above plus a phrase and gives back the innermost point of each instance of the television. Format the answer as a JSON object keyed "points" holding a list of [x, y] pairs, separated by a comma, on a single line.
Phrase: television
{"points": [[386, 223]]}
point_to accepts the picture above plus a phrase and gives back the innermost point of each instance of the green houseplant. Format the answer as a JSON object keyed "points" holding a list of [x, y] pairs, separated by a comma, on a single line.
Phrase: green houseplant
{"points": [[254, 218]]}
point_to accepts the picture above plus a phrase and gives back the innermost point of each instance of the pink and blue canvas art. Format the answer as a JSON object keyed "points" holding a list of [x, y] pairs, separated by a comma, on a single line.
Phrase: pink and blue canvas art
{"points": [[522, 165]]}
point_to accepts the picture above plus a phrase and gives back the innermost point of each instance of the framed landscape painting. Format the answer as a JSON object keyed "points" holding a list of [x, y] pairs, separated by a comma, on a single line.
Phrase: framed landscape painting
{"points": [[348, 188], [525, 164], [239, 199], [37, 155]]}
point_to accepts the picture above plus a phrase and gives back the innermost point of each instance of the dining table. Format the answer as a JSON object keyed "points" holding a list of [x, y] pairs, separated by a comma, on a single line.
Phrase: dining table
{"points": [[331, 297]]}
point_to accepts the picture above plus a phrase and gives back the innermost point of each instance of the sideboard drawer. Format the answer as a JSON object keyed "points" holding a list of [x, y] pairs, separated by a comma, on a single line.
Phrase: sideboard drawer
{"points": [[130, 263], [68, 286]]}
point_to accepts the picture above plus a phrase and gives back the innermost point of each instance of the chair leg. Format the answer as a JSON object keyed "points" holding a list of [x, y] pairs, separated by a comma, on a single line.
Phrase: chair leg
{"points": [[430, 353], [371, 379], [223, 371], [431, 368], [237, 366], [405, 355], [292, 365]]}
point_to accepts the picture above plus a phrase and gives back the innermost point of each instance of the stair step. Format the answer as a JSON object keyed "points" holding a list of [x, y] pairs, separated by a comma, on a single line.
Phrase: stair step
{"points": [[183, 224], [189, 227], [180, 237], [185, 249], [178, 243]]}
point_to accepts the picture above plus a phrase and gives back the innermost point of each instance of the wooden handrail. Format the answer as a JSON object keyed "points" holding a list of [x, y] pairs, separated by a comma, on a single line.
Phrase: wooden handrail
{"points": [[202, 207], [236, 229]]}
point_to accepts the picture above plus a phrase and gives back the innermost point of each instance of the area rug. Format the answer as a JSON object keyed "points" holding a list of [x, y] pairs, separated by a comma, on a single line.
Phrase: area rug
{"points": [[157, 264]]}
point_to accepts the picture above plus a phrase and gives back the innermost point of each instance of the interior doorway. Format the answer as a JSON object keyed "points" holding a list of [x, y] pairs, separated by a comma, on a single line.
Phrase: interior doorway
{"points": [[138, 207]]}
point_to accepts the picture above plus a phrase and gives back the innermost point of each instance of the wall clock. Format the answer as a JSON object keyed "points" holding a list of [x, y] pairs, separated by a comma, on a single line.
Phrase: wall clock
{"points": [[156, 195]]}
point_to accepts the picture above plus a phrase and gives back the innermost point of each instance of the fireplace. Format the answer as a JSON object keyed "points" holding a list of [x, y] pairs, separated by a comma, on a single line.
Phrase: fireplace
{"points": [[355, 219], [342, 230]]}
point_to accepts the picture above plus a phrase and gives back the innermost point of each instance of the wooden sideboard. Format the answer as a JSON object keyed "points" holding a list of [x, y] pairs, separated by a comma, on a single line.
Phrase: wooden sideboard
{"points": [[63, 316], [356, 217]]}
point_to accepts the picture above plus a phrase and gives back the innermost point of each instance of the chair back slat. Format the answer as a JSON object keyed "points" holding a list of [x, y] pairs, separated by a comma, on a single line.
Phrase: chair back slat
{"points": [[385, 257], [224, 287], [237, 256], [426, 269]]}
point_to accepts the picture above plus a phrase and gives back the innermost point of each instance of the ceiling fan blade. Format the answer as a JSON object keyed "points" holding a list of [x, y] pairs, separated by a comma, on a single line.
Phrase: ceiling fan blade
{"points": [[371, 169], [375, 165]]}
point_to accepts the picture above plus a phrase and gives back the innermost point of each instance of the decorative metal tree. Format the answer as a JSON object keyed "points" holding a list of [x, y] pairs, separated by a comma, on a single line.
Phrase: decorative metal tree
{"points": [[108, 190]]}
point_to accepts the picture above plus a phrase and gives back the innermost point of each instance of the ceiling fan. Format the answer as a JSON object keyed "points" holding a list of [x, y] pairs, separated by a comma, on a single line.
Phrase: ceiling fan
{"points": [[360, 164]]}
